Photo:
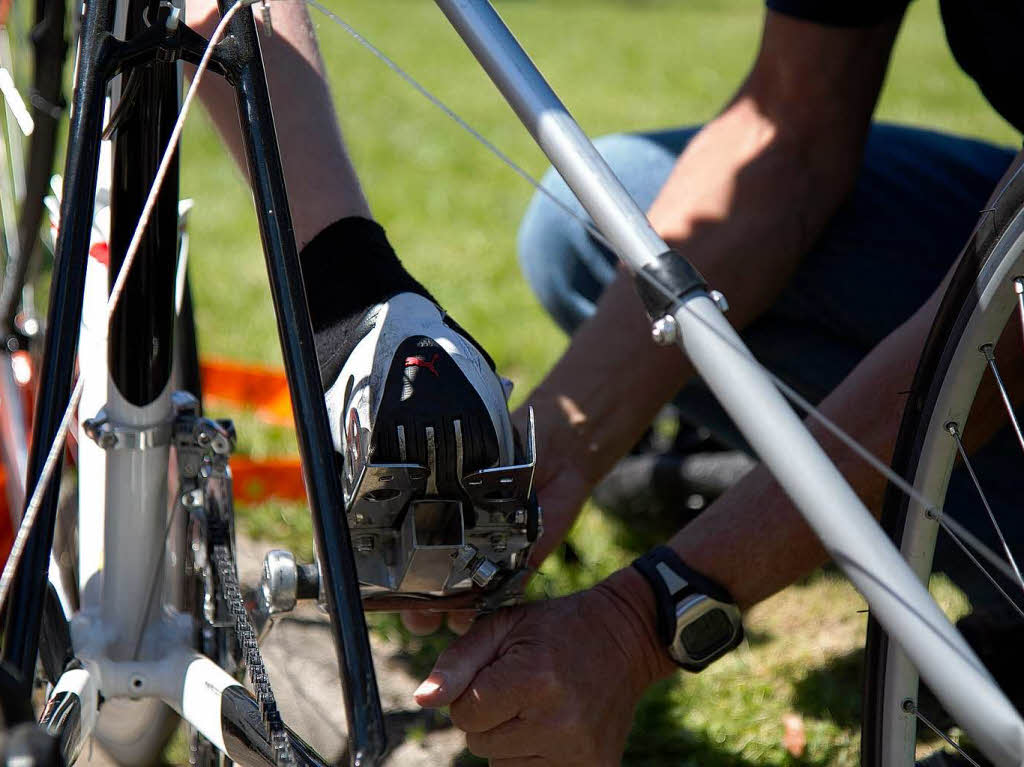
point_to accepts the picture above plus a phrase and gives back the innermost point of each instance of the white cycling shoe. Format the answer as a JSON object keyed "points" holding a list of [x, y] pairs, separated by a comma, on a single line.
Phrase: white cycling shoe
{"points": [[436, 497]]}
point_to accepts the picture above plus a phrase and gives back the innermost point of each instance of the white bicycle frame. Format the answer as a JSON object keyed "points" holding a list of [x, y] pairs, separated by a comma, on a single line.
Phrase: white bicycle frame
{"points": [[124, 492]]}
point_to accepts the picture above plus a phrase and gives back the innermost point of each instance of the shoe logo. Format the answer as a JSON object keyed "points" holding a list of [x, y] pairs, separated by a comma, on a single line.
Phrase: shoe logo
{"points": [[419, 362]]}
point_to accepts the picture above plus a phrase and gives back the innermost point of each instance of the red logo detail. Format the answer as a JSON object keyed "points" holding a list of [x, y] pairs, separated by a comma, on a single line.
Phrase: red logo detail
{"points": [[100, 252], [419, 362]]}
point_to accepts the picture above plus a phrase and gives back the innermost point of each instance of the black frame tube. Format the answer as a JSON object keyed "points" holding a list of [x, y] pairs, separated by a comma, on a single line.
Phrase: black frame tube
{"points": [[25, 605], [141, 338], [340, 583]]}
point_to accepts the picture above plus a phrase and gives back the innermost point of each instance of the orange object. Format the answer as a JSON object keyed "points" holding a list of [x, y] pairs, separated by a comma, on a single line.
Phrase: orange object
{"points": [[260, 387], [259, 480]]}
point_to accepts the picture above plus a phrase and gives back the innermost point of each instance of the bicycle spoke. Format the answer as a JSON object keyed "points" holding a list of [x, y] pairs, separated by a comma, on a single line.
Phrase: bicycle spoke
{"points": [[416, 85], [955, 433], [987, 350], [911, 708], [967, 552]]}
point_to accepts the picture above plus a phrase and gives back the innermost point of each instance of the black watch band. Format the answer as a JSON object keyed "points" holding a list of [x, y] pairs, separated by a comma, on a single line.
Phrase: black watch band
{"points": [[672, 573]]}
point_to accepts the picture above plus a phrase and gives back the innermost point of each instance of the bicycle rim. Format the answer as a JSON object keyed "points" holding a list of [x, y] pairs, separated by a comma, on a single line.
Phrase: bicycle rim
{"points": [[979, 305]]}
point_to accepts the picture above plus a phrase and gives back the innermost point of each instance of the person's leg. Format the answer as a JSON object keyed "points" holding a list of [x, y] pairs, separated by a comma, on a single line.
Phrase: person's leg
{"points": [[914, 205], [565, 266]]}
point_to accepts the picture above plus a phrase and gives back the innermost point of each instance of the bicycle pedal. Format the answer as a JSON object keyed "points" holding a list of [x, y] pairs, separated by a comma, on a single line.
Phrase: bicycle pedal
{"points": [[411, 542]]}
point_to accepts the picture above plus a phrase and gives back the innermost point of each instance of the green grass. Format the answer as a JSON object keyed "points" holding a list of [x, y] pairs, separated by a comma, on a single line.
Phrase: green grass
{"points": [[451, 210]]}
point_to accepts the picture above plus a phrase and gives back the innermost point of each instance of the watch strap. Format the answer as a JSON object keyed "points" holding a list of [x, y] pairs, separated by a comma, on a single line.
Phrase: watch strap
{"points": [[672, 580]]}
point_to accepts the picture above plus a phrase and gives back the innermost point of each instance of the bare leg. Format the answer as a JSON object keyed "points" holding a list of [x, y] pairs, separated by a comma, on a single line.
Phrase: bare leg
{"points": [[322, 184]]}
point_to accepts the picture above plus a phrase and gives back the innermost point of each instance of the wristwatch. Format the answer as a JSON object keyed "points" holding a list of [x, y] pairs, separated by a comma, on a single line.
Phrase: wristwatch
{"points": [[698, 622]]}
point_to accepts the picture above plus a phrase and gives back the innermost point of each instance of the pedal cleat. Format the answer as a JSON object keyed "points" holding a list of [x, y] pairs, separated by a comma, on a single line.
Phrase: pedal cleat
{"points": [[438, 500]]}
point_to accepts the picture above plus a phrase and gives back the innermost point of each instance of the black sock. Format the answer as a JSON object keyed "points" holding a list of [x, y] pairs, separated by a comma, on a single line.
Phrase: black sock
{"points": [[347, 269]]}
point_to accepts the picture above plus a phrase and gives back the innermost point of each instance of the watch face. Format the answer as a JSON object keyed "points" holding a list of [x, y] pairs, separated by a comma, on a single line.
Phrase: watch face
{"points": [[706, 634]]}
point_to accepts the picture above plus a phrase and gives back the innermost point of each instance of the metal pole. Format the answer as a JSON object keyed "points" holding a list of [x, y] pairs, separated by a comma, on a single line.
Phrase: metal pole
{"points": [[323, 485], [21, 640], [844, 525], [849, 533], [555, 131]]}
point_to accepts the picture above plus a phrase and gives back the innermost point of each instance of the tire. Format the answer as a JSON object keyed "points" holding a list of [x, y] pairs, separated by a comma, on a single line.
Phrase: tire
{"points": [[33, 49], [951, 378]]}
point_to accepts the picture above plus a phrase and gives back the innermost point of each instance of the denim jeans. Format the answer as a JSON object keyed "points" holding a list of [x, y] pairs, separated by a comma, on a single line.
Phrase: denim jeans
{"points": [[914, 204]]}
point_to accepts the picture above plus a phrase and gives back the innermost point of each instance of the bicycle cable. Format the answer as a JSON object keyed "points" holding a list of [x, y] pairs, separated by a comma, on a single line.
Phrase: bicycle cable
{"points": [[54, 454], [244, 632], [799, 401]]}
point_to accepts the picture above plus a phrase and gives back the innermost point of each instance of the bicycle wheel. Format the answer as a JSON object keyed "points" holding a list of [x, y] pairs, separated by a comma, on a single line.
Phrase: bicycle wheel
{"points": [[32, 54], [968, 474]]}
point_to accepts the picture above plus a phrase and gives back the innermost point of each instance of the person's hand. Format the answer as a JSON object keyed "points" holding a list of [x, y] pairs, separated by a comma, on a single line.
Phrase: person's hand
{"points": [[553, 682]]}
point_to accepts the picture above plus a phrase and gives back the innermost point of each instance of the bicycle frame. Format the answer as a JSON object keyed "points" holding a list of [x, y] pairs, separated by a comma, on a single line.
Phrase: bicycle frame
{"points": [[206, 695]]}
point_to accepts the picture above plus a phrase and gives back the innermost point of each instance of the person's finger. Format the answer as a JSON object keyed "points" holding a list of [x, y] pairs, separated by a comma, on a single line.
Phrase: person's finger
{"points": [[420, 622], [456, 666], [513, 739], [459, 621], [494, 697]]}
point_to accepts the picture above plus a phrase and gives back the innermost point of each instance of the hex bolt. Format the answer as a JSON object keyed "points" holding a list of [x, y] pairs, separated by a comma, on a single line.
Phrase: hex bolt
{"points": [[364, 544], [463, 558], [719, 298], [664, 331], [519, 518], [484, 573]]}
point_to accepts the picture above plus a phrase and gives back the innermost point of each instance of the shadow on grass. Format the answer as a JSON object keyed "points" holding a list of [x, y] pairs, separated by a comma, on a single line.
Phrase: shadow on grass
{"points": [[833, 691]]}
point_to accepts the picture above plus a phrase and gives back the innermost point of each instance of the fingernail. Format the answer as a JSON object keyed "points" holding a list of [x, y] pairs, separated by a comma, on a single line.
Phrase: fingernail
{"points": [[429, 686]]}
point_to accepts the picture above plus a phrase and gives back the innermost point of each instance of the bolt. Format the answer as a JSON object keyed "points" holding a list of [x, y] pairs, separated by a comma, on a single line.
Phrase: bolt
{"points": [[106, 439], [192, 498], [663, 332], [364, 544], [519, 518], [203, 438], [499, 543], [484, 573], [719, 298], [463, 558]]}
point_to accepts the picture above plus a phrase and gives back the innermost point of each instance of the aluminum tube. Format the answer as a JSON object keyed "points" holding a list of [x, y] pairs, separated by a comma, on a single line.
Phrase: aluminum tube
{"points": [[555, 131], [849, 533]]}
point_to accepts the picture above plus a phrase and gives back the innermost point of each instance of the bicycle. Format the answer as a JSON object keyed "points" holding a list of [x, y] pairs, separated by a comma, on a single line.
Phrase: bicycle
{"points": [[684, 313]]}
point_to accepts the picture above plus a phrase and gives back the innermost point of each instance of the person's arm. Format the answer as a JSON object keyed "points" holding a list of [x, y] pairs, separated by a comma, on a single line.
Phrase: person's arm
{"points": [[318, 173], [558, 680], [745, 201]]}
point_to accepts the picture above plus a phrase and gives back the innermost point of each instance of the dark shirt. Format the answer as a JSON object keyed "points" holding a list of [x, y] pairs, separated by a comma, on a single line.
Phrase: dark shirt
{"points": [[984, 35]]}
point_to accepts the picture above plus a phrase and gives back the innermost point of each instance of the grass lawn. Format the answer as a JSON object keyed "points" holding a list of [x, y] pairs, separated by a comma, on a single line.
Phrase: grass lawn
{"points": [[451, 210]]}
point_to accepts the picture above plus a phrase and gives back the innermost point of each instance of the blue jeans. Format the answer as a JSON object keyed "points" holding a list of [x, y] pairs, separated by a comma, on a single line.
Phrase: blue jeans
{"points": [[914, 204]]}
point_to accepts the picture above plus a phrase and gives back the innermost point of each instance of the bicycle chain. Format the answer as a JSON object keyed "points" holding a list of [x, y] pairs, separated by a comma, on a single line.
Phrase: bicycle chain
{"points": [[247, 641]]}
